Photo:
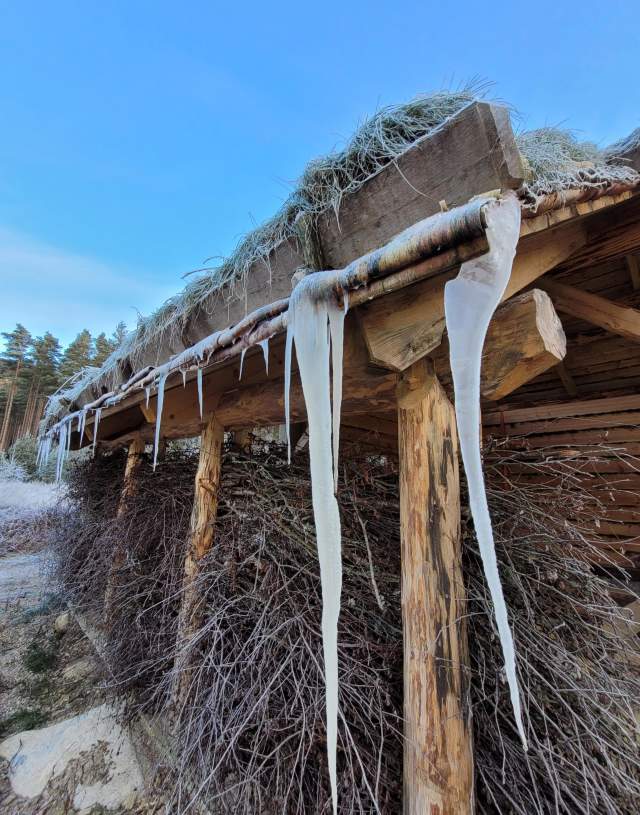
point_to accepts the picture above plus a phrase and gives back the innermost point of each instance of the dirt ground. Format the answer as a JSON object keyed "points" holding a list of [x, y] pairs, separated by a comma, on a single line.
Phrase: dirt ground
{"points": [[62, 749]]}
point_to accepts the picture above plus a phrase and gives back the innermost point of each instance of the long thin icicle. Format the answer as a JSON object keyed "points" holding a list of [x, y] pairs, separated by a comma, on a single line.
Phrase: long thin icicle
{"points": [[161, 382], [312, 319], [96, 424], [470, 301], [199, 379], [264, 344]]}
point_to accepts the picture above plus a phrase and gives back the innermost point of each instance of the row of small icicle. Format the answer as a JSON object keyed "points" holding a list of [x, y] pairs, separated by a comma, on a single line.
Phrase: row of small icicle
{"points": [[316, 326]]}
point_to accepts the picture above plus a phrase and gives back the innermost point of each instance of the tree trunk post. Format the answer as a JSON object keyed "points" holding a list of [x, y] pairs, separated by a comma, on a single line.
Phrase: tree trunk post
{"points": [[135, 452], [201, 536], [438, 756]]}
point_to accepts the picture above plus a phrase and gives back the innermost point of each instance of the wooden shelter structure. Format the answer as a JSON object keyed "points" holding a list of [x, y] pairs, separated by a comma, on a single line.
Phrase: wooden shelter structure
{"points": [[561, 370]]}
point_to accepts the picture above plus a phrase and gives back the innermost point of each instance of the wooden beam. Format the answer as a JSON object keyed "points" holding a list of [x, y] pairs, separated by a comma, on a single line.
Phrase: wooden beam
{"points": [[201, 536], [594, 309], [438, 756], [473, 152], [633, 264], [560, 410], [135, 451], [525, 338], [567, 380], [406, 325]]}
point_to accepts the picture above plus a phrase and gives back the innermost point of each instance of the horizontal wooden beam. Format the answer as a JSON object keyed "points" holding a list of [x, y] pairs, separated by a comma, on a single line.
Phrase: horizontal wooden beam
{"points": [[585, 407], [473, 152], [594, 309], [525, 338], [406, 325]]}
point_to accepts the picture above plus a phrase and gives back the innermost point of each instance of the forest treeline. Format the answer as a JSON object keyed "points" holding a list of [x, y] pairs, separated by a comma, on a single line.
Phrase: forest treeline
{"points": [[32, 368]]}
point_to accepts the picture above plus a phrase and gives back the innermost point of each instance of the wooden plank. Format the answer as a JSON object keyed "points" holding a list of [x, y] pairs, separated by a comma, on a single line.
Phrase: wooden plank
{"points": [[554, 425], [406, 325], [585, 407], [201, 536], [472, 153], [438, 756], [595, 309]]}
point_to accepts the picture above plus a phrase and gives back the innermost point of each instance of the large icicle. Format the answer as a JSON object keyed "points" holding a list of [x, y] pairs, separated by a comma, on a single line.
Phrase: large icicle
{"points": [[156, 442], [311, 315], [470, 301]]}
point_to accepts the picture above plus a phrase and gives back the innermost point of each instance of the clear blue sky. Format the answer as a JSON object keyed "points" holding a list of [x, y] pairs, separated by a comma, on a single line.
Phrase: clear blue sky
{"points": [[139, 138]]}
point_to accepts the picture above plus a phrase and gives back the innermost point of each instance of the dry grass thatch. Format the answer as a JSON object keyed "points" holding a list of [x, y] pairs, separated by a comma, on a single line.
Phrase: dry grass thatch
{"points": [[557, 159], [250, 734]]}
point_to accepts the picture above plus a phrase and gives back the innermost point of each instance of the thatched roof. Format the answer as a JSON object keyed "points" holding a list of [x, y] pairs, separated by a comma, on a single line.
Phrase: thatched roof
{"points": [[556, 159]]}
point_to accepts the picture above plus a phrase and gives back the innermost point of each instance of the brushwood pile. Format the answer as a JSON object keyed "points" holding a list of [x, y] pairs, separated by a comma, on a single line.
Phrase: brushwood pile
{"points": [[249, 734]]}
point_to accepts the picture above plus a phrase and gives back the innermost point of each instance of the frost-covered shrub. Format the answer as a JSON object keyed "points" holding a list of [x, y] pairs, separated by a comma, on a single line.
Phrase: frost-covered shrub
{"points": [[10, 469]]}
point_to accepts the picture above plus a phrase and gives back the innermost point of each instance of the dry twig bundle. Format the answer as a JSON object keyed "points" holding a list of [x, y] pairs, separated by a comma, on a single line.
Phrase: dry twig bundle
{"points": [[250, 734]]}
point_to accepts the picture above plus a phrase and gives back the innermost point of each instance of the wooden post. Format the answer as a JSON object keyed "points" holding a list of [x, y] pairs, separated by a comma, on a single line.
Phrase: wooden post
{"points": [[201, 535], [134, 459], [438, 757]]}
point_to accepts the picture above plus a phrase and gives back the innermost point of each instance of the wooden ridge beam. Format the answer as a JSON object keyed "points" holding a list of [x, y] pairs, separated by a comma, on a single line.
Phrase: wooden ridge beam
{"points": [[594, 309]]}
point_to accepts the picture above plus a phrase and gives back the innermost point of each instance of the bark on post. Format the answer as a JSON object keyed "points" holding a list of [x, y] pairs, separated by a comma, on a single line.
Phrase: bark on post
{"points": [[438, 757], [135, 452], [203, 517]]}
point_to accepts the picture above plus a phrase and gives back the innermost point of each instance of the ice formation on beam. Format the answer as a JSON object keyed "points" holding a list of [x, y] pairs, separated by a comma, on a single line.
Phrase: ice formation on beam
{"points": [[470, 301], [316, 325]]}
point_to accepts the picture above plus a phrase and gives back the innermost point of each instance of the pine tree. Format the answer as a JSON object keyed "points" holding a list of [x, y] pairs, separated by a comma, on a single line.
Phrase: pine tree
{"points": [[12, 364], [119, 334], [102, 348], [77, 355], [43, 380]]}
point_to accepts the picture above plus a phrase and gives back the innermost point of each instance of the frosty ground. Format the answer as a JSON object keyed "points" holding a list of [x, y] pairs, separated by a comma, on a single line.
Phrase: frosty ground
{"points": [[61, 749]]}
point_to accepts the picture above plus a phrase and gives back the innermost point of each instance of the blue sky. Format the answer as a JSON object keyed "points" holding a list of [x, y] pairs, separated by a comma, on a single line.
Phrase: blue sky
{"points": [[139, 138]]}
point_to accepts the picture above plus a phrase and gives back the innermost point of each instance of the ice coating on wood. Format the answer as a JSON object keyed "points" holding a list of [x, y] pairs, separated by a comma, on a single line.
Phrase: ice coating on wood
{"points": [[316, 325], [470, 301], [264, 344], [199, 381], [161, 383]]}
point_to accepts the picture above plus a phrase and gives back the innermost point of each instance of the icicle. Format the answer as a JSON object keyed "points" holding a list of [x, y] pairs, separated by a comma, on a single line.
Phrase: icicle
{"points": [[336, 327], [82, 420], [242, 353], [310, 317], [62, 447], [265, 353], [184, 378], [147, 392], [199, 376], [470, 301], [69, 432], [287, 383], [96, 425], [161, 382]]}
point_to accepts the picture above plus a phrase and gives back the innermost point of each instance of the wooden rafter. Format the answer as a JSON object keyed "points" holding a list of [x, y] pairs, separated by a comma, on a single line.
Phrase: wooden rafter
{"points": [[594, 309]]}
